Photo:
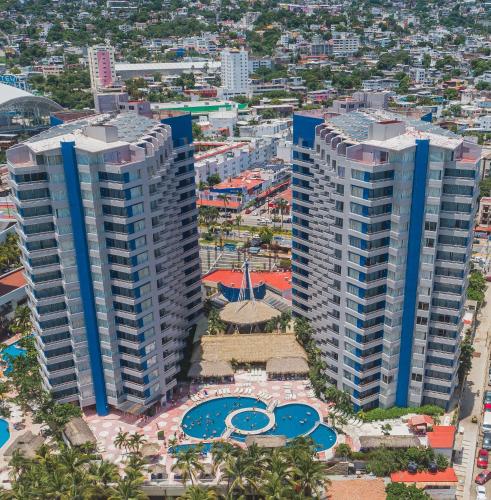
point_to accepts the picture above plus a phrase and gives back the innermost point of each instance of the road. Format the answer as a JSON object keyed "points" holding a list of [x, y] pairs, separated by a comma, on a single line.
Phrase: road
{"points": [[472, 404]]}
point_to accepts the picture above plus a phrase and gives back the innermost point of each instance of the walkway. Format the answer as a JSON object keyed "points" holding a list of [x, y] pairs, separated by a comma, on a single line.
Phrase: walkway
{"points": [[472, 404]]}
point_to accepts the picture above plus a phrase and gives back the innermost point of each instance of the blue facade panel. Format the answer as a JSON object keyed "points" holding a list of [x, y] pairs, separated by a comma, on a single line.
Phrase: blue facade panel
{"points": [[304, 130], [70, 168], [182, 129], [416, 225]]}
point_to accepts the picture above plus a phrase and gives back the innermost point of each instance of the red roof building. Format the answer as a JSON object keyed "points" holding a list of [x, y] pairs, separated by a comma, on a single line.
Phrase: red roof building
{"points": [[279, 282], [442, 438]]}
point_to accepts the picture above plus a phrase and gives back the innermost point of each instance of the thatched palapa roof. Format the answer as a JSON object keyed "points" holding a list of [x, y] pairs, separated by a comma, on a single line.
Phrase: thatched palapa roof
{"points": [[27, 444], [284, 366], [78, 432], [370, 442], [266, 441], [248, 312], [208, 369], [248, 348]]}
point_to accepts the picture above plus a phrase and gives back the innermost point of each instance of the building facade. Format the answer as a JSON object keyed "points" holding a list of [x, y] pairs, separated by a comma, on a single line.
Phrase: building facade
{"points": [[383, 212], [107, 222], [102, 67], [234, 72]]}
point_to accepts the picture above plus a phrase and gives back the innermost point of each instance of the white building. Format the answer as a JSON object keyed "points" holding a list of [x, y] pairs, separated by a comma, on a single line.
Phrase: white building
{"points": [[344, 44], [383, 217], [102, 67], [230, 159], [234, 72], [107, 226]]}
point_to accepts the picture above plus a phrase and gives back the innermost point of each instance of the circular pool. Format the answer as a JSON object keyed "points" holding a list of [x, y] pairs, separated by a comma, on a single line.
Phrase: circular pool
{"points": [[243, 416]]}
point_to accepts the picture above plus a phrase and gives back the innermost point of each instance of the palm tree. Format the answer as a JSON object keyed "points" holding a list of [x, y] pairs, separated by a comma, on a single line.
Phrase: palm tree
{"points": [[103, 472], [121, 440], [127, 488], [221, 452], [199, 493], [225, 198], [238, 220], [21, 323], [215, 324], [188, 463], [282, 205], [310, 475], [136, 441], [240, 475]]}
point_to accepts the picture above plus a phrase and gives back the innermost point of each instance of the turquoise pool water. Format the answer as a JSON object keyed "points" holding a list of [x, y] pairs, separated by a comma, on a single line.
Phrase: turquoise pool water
{"points": [[292, 420], [323, 436], [11, 352], [250, 420], [207, 420], [4, 432], [205, 447]]}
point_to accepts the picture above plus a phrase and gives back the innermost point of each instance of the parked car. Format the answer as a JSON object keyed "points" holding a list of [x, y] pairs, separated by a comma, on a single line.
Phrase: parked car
{"points": [[487, 397], [483, 477], [486, 441], [483, 458], [487, 406], [481, 493]]}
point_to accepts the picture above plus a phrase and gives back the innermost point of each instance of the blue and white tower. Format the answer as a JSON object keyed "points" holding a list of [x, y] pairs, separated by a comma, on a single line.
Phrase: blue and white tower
{"points": [[107, 222], [383, 211]]}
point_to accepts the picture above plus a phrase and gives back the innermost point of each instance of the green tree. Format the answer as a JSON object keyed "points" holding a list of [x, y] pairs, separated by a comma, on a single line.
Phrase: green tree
{"points": [[400, 491], [465, 357], [477, 286], [213, 180], [266, 235], [188, 463]]}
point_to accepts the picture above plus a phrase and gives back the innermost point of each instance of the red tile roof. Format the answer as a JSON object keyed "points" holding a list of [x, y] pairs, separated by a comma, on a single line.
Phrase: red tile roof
{"points": [[279, 280], [217, 203], [11, 281], [442, 436], [420, 420], [446, 476]]}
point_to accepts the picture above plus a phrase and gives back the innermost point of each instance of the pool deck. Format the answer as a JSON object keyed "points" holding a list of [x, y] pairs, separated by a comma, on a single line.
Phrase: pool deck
{"points": [[168, 419]]}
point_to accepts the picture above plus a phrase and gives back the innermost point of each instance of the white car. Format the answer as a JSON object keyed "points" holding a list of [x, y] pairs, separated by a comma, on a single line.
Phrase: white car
{"points": [[481, 492]]}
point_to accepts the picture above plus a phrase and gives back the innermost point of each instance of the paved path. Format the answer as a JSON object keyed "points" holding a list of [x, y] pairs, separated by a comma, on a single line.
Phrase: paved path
{"points": [[472, 404]]}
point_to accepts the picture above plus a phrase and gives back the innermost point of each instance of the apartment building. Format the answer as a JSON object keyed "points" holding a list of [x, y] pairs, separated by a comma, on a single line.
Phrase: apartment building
{"points": [[234, 72], [344, 44], [107, 222], [383, 212], [230, 159], [102, 67]]}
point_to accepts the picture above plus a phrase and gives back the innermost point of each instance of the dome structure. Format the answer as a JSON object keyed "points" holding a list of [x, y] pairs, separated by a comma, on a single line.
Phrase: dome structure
{"points": [[22, 112]]}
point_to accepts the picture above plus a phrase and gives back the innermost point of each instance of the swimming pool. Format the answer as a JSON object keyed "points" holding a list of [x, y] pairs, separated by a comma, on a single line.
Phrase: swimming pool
{"points": [[205, 447], [10, 353], [4, 432], [240, 416], [323, 436], [208, 418]]}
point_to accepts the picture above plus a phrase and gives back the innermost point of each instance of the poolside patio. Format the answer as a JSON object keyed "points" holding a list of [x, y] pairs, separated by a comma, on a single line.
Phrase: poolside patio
{"points": [[169, 419]]}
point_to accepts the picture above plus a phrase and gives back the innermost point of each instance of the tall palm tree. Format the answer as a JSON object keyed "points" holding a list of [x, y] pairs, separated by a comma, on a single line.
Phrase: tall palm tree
{"points": [[282, 205], [225, 198], [188, 463], [136, 441], [221, 452], [238, 220], [310, 476], [121, 440]]}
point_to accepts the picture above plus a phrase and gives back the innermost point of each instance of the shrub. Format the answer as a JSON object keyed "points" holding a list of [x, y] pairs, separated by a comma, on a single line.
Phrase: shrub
{"points": [[161, 435], [396, 412]]}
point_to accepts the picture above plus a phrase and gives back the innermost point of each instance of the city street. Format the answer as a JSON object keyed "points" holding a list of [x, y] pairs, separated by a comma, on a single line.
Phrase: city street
{"points": [[472, 404]]}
